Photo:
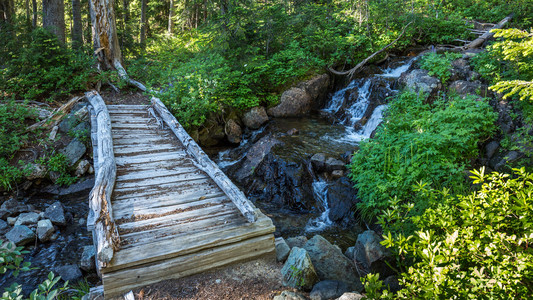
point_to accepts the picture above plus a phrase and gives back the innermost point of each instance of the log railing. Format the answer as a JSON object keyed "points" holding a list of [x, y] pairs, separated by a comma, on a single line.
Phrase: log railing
{"points": [[100, 219]]}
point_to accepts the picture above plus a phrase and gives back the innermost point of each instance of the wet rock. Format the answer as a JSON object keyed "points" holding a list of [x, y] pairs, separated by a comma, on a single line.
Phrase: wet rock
{"points": [[319, 161], [81, 187], [233, 132], [371, 254], [336, 174], [37, 171], [293, 131], [297, 241], [460, 70], [255, 117], [328, 289], [82, 168], [419, 80], [295, 102], [87, 262], [74, 151], [332, 164], [4, 214], [463, 88], [491, 148], [20, 235], [45, 230], [282, 250], [505, 120], [392, 283], [14, 207], [298, 271], [289, 295], [350, 252], [254, 157], [317, 88], [70, 273], [351, 296], [3, 225], [27, 219], [500, 161], [331, 264], [56, 214], [341, 198]]}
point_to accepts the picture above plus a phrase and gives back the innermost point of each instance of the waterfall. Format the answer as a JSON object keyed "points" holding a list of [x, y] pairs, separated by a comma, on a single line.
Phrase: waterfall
{"points": [[320, 191]]}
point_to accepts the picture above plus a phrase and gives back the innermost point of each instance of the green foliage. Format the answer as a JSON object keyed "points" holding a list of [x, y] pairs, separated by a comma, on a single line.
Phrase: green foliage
{"points": [[58, 163], [439, 65], [419, 141], [473, 246], [11, 258]]}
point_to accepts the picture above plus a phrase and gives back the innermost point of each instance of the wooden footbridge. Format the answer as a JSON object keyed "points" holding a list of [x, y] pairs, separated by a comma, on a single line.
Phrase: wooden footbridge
{"points": [[160, 208]]}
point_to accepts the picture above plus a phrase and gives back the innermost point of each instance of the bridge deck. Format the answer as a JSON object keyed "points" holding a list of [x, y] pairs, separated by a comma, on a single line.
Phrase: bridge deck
{"points": [[173, 220]]}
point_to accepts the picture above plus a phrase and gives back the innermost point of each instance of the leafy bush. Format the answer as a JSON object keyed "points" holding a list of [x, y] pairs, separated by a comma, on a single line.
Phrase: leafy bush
{"points": [[59, 164], [475, 246], [439, 64], [419, 141]]}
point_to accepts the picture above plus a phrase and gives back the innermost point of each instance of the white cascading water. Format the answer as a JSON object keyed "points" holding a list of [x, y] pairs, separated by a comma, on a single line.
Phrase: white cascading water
{"points": [[320, 191]]}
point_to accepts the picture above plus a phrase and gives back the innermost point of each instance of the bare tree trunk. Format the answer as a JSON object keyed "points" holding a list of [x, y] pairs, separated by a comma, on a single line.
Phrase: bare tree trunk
{"points": [[143, 22], [105, 38], [35, 15], [126, 8], [54, 18], [27, 9], [171, 17], [77, 30]]}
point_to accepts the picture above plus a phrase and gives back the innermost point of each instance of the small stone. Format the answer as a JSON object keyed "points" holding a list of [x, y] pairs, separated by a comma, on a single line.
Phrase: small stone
{"points": [[336, 174], [255, 117], [233, 132], [45, 229], [82, 222], [298, 271], [53, 133], [74, 151], [289, 295], [20, 235], [37, 171], [87, 262], [27, 219], [350, 252], [282, 250], [351, 296], [293, 131], [69, 273], [334, 164], [12, 220], [82, 168], [56, 214], [319, 161], [218, 281], [296, 241], [328, 289], [91, 170]]}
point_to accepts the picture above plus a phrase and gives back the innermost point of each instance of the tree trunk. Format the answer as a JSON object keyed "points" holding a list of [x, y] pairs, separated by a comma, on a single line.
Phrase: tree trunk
{"points": [[35, 15], [54, 18], [5, 11], [171, 17], [104, 30], [143, 22], [126, 8], [77, 30], [27, 9]]}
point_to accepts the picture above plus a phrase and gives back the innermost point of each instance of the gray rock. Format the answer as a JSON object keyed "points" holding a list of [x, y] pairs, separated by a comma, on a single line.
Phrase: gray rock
{"points": [[255, 156], [319, 161], [3, 225], [82, 130], [82, 167], [331, 264], [80, 187], [20, 235], [288, 295], [82, 113], [45, 229], [296, 241], [334, 164], [341, 199], [14, 207], [12, 220], [295, 102], [87, 262], [371, 254], [419, 80], [351, 296], [282, 250], [350, 252], [317, 88], [68, 123], [4, 214], [74, 151], [27, 219], [298, 271], [336, 174], [56, 214], [53, 133], [233, 131], [70, 273], [328, 289], [491, 148], [463, 88], [255, 117], [37, 171]]}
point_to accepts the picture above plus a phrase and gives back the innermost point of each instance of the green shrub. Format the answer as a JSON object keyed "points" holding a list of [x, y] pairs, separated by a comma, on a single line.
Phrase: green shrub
{"points": [[59, 164], [419, 141], [439, 65]]}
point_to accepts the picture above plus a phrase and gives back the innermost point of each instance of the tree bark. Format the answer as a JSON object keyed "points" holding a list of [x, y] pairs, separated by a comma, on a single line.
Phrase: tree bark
{"points": [[6, 15], [105, 39], [54, 18], [142, 38], [126, 8], [77, 30], [171, 18], [35, 15], [27, 9]]}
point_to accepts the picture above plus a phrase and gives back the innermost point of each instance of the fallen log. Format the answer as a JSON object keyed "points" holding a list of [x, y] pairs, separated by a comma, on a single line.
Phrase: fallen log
{"points": [[56, 116], [487, 35], [352, 71]]}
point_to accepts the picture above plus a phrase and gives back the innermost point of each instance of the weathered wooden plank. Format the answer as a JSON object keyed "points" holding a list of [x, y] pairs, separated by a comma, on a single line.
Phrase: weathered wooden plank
{"points": [[165, 164], [146, 182], [116, 283], [127, 106], [156, 198], [156, 173], [168, 187], [208, 166], [135, 126], [146, 158], [126, 151], [149, 140]]}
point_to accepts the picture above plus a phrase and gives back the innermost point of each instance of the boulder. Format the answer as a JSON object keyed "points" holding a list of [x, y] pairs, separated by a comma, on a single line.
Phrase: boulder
{"points": [[331, 264], [295, 102], [317, 88], [82, 168], [255, 117], [499, 161], [20, 235], [351, 296], [491, 148], [74, 151], [463, 88], [371, 254], [288, 295], [68, 123], [341, 198], [27, 219], [298, 271], [419, 80], [56, 214], [282, 250], [37, 171], [255, 156], [460, 70], [328, 289], [45, 229], [319, 161], [233, 132], [14, 207], [296, 241], [3, 225], [212, 134], [87, 262], [82, 130], [350, 252], [392, 283], [69, 273], [333, 164], [78, 188]]}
